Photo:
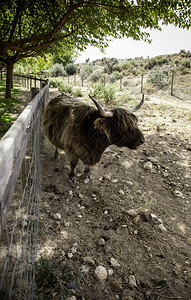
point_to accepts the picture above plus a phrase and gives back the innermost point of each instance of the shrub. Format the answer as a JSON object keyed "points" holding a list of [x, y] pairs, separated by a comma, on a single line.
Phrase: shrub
{"points": [[107, 92], [115, 76], [65, 88], [86, 72], [160, 78], [97, 90], [96, 76], [55, 82], [58, 70], [77, 93], [71, 69]]}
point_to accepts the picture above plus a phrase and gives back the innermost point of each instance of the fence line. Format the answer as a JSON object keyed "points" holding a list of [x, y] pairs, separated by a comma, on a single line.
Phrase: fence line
{"points": [[29, 81], [20, 182]]}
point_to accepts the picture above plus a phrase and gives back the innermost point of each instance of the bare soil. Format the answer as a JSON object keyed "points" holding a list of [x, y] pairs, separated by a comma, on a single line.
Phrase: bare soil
{"points": [[140, 217]]}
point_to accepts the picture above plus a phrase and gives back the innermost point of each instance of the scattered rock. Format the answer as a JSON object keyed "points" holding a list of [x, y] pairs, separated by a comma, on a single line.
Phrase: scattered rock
{"points": [[100, 273], [121, 192], [114, 262], [162, 228], [70, 255], [132, 281], [57, 216], [89, 260], [71, 193], [114, 180], [101, 242], [148, 166], [66, 223], [71, 298], [178, 194], [155, 218], [110, 272], [86, 180], [130, 183], [132, 212]]}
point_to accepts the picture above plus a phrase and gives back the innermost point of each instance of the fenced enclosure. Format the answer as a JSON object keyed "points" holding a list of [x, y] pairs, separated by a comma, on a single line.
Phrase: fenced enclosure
{"points": [[20, 185]]}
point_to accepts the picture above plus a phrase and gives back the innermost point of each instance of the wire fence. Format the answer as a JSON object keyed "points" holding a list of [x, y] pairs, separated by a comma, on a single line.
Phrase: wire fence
{"points": [[20, 188]]}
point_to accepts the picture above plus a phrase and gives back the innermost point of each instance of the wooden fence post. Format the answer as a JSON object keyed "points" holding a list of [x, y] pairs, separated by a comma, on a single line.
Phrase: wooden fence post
{"points": [[142, 82], [120, 83], [172, 82], [34, 91]]}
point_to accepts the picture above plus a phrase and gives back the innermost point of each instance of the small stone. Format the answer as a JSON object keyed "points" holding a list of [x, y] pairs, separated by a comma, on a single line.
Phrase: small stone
{"points": [[136, 219], [57, 216], [73, 250], [105, 212], [178, 194], [89, 260], [70, 255], [132, 281], [71, 298], [86, 180], [66, 223], [80, 196], [101, 242], [130, 183], [114, 180], [132, 212], [124, 225], [110, 272], [121, 192], [71, 193], [162, 228], [153, 160], [100, 273], [148, 166], [114, 262]]}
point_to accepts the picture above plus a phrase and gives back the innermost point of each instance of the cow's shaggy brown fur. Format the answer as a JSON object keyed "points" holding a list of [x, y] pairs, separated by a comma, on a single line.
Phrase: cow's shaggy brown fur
{"points": [[84, 134]]}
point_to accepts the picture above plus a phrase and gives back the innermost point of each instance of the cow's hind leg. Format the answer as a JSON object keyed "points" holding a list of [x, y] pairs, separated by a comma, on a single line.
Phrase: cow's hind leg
{"points": [[56, 153], [87, 172]]}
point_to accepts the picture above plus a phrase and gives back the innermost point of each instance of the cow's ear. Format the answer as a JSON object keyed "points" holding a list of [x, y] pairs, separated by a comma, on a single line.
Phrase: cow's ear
{"points": [[102, 125]]}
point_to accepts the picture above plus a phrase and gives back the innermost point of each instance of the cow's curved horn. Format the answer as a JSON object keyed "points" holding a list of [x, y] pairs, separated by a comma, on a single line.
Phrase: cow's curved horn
{"points": [[102, 112], [138, 106]]}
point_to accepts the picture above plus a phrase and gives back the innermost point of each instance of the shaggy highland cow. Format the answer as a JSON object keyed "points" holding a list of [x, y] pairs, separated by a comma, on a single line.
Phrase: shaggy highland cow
{"points": [[84, 132]]}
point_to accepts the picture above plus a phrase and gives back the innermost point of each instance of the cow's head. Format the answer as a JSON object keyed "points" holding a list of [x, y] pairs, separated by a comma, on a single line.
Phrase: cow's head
{"points": [[120, 126]]}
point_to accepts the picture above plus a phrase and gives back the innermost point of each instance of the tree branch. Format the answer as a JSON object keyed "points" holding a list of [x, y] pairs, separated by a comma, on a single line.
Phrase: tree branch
{"points": [[15, 21]]}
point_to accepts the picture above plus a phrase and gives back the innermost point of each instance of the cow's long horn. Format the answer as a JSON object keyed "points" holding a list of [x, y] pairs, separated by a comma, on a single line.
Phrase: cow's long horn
{"points": [[138, 106], [102, 112]]}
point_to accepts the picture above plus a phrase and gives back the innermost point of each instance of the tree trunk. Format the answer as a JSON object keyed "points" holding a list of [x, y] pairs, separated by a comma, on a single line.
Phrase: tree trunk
{"points": [[9, 78]]}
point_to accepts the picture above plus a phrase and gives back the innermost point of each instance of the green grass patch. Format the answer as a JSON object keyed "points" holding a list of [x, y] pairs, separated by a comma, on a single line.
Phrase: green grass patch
{"points": [[7, 107]]}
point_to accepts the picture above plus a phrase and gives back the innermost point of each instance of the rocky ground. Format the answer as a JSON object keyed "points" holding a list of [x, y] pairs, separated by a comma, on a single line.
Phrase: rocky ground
{"points": [[125, 234]]}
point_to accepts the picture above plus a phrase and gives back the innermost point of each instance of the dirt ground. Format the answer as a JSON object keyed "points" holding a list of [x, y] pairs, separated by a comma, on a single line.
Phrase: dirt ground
{"points": [[133, 218]]}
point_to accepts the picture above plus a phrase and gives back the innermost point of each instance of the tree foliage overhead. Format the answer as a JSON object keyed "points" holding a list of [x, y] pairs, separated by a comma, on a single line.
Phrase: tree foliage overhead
{"points": [[29, 28]]}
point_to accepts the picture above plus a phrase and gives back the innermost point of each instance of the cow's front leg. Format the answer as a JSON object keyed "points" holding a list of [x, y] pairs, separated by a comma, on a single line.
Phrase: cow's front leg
{"points": [[87, 172], [72, 174]]}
